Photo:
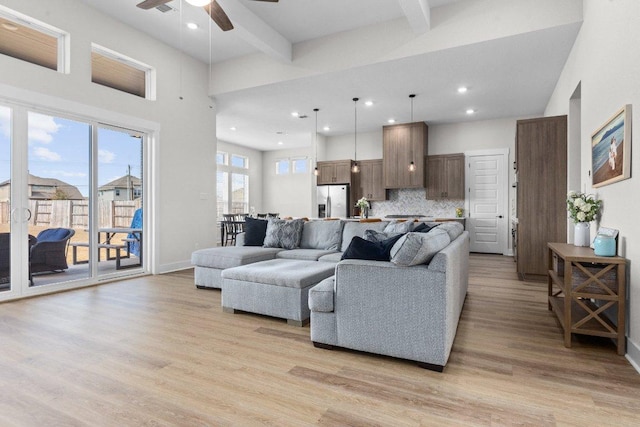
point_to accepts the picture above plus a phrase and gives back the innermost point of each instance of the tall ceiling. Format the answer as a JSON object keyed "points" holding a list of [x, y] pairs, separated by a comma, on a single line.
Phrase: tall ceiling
{"points": [[506, 77]]}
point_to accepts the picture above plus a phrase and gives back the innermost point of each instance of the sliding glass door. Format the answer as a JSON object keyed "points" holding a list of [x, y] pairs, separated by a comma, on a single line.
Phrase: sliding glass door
{"points": [[70, 201]]}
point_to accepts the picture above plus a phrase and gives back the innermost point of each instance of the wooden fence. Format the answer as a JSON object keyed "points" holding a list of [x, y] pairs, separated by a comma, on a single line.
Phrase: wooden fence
{"points": [[75, 213]]}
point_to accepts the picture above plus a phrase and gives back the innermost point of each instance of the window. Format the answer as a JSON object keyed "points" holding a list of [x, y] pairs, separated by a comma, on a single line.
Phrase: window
{"points": [[232, 183], [117, 192], [239, 161], [300, 165], [27, 39], [282, 167], [111, 69]]}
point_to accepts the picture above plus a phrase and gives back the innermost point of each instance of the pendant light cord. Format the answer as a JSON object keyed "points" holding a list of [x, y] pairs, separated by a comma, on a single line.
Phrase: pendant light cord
{"points": [[355, 130]]}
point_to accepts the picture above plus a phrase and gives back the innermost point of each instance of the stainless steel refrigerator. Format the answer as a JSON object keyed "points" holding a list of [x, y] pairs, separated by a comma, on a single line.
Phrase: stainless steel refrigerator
{"points": [[333, 201]]}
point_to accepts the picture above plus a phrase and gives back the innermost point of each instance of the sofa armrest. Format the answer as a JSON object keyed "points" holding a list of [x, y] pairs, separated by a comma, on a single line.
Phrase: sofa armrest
{"points": [[321, 296]]}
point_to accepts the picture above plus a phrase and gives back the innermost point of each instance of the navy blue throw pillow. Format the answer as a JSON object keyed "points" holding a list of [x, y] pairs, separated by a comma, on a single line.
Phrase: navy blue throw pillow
{"points": [[255, 230], [360, 248], [424, 228]]}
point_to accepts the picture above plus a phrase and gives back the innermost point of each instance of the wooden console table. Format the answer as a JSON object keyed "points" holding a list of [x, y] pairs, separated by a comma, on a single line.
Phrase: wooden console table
{"points": [[577, 279]]}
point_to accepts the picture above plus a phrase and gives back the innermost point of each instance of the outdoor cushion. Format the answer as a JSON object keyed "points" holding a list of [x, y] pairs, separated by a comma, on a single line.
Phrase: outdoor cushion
{"points": [[53, 234]]}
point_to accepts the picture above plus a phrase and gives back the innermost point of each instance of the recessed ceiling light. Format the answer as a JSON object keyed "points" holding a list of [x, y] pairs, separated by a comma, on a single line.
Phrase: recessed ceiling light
{"points": [[280, 142], [391, 121], [326, 128], [368, 103], [9, 26], [471, 111], [295, 114], [192, 25], [233, 128], [462, 89]]}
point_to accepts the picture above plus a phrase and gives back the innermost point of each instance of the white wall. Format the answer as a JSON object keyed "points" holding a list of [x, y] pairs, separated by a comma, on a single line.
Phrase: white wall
{"points": [[291, 194], [185, 144], [341, 147], [605, 61]]}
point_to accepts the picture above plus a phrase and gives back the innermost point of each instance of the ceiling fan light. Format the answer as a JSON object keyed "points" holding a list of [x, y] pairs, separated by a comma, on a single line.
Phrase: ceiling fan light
{"points": [[199, 2]]}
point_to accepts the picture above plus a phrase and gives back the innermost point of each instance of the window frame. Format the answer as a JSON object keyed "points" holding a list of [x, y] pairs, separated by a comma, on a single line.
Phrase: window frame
{"points": [[149, 71]]}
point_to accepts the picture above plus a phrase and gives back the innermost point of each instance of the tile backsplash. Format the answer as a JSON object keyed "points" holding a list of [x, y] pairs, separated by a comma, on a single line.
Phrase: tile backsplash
{"points": [[414, 202]]}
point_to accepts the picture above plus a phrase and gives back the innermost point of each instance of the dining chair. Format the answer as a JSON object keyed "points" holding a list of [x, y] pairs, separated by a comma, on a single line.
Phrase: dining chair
{"points": [[233, 225]]}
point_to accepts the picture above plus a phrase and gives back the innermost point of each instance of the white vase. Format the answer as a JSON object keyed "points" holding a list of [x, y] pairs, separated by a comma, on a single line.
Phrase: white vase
{"points": [[581, 234]]}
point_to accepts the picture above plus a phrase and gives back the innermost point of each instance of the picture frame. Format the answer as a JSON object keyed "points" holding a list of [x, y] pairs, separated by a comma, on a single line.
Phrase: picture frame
{"points": [[611, 149]]}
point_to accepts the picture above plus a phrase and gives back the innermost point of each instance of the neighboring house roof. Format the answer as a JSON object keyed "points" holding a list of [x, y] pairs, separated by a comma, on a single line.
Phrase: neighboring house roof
{"points": [[53, 184], [122, 182]]}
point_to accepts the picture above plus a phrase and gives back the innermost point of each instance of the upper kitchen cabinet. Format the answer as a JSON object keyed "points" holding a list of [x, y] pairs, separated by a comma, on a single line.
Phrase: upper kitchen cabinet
{"points": [[445, 177], [401, 145], [369, 181], [334, 172]]}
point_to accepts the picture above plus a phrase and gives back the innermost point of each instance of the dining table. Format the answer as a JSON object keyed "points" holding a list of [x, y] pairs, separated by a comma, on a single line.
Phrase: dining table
{"points": [[111, 232]]}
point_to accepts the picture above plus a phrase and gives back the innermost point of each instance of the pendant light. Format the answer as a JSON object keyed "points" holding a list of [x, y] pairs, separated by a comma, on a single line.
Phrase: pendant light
{"points": [[356, 167], [315, 170], [412, 165]]}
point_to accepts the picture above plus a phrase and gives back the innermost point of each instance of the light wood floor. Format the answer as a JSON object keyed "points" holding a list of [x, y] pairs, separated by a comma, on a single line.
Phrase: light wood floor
{"points": [[157, 351]]}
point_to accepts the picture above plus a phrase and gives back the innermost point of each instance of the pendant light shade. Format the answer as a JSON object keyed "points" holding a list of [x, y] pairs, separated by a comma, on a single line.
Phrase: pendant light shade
{"points": [[412, 165], [315, 143], [355, 168]]}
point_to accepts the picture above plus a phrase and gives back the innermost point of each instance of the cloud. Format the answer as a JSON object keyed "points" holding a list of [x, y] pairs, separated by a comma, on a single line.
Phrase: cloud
{"points": [[42, 128], [106, 156], [67, 174], [46, 154]]}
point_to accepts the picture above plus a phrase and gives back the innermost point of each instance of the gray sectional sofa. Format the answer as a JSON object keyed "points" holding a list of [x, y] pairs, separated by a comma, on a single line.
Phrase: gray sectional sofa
{"points": [[407, 307]]}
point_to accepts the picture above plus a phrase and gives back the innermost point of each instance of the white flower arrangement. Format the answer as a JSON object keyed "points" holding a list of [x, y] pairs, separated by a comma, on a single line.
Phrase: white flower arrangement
{"points": [[582, 207], [363, 203]]}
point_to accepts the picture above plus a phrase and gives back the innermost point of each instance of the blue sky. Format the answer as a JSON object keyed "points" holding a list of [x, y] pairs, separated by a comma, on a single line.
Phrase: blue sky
{"points": [[59, 148]]}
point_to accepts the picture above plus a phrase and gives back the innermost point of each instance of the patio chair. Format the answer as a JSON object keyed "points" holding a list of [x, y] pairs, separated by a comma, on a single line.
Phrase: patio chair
{"points": [[5, 257], [49, 254]]}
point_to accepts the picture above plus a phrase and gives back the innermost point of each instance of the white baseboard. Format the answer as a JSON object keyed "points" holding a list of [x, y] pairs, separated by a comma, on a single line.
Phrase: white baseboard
{"points": [[175, 266], [633, 354]]}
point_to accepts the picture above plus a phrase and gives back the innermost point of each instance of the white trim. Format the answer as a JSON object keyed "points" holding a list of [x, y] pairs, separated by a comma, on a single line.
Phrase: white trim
{"points": [[633, 354]]}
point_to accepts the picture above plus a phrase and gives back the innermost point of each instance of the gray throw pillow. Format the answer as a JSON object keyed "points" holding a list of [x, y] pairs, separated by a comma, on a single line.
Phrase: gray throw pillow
{"points": [[399, 227], [419, 248], [282, 233], [454, 228], [378, 236]]}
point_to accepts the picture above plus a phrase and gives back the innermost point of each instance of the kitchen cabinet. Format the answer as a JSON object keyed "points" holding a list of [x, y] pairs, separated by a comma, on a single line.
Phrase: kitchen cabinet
{"points": [[402, 144], [541, 190], [445, 177], [368, 183], [334, 172]]}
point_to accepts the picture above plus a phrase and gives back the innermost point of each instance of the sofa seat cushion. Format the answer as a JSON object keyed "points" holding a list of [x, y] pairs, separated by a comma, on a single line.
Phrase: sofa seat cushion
{"points": [[334, 257], [321, 296], [282, 272], [232, 256], [304, 254]]}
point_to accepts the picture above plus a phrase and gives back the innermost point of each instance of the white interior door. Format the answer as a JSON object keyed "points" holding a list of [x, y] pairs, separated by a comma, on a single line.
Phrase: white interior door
{"points": [[487, 186]]}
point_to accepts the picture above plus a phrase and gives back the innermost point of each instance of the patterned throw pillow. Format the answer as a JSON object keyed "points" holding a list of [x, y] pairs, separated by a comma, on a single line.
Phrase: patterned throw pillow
{"points": [[377, 236], [419, 248], [282, 233], [399, 227]]}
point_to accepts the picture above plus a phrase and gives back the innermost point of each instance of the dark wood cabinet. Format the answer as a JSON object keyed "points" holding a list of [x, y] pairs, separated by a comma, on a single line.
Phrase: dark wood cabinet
{"points": [[402, 144], [334, 172], [445, 177], [541, 190], [368, 183]]}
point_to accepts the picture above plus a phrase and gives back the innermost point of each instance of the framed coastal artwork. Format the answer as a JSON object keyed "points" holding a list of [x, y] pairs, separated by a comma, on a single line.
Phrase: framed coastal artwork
{"points": [[611, 149]]}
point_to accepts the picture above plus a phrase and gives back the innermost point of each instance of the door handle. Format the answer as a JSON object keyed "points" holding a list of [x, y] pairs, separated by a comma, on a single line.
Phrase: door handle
{"points": [[499, 216], [29, 212]]}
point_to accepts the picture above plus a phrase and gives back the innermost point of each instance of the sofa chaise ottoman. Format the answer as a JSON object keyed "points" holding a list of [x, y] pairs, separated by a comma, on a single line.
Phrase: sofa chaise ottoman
{"points": [[277, 288]]}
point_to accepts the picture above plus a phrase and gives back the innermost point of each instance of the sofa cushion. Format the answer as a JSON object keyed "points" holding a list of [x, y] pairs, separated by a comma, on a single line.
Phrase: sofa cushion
{"points": [[255, 231], [418, 248], [322, 235], [231, 256], [281, 272], [453, 228], [334, 257], [374, 251], [321, 296], [424, 227], [378, 236], [399, 227], [303, 254], [352, 228], [283, 233]]}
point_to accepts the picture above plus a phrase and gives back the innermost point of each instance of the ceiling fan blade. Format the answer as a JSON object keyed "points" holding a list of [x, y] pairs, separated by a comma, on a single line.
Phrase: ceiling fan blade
{"points": [[219, 17], [150, 4]]}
